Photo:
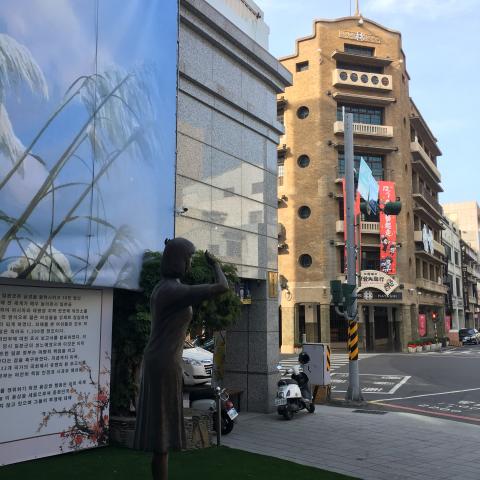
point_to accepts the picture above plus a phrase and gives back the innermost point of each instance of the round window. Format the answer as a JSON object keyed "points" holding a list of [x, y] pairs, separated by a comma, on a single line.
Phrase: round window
{"points": [[374, 79], [303, 161], [385, 81], [303, 112], [304, 211], [343, 76], [353, 77], [364, 78], [305, 260]]}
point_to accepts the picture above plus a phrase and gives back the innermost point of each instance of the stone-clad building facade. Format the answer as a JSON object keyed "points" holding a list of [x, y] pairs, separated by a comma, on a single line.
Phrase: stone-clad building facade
{"points": [[227, 173], [359, 65]]}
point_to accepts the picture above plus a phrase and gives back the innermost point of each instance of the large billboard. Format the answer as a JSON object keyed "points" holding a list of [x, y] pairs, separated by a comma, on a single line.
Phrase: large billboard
{"points": [[87, 137]]}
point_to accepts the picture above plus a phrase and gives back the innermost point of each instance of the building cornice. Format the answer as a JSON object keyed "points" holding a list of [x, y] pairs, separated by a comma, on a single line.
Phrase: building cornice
{"points": [[332, 21]]}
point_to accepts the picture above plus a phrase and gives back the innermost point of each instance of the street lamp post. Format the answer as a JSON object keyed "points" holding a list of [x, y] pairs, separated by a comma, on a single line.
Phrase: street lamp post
{"points": [[354, 391]]}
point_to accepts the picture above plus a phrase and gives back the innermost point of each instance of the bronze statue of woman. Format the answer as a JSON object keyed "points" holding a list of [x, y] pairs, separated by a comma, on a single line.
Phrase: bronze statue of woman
{"points": [[159, 426]]}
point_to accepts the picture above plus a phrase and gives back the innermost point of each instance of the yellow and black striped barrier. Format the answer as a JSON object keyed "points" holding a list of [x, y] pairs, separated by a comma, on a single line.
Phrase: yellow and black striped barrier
{"points": [[328, 358], [352, 340]]}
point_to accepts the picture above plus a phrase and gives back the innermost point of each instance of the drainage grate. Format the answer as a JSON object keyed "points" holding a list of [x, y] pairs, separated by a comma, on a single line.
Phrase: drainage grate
{"points": [[372, 412]]}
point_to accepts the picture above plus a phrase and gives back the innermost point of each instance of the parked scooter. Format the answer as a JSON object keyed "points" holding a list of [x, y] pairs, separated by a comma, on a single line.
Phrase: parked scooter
{"points": [[294, 393], [204, 399]]}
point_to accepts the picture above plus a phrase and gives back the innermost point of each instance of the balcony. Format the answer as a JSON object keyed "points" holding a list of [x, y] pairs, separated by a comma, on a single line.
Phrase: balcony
{"points": [[423, 162], [365, 129], [426, 201], [351, 78], [367, 227], [425, 284], [472, 300], [437, 247]]}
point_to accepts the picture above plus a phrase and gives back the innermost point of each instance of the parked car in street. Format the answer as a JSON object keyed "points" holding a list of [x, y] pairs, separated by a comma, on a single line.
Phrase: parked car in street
{"points": [[469, 335], [197, 365], [205, 343]]}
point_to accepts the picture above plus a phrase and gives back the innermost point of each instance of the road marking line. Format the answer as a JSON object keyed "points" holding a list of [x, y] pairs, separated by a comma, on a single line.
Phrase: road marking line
{"points": [[399, 384], [427, 395], [372, 375], [438, 414]]}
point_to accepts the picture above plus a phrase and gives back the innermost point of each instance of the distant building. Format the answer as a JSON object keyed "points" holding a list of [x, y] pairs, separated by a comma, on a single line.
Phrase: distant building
{"points": [[454, 307], [471, 279], [227, 173], [467, 216], [355, 64]]}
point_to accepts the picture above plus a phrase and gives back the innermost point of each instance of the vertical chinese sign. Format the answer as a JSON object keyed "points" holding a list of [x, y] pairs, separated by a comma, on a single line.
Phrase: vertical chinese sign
{"points": [[388, 230], [422, 325]]}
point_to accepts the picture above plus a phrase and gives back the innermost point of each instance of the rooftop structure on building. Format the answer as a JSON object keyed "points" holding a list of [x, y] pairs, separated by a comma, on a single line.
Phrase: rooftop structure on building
{"points": [[467, 216]]}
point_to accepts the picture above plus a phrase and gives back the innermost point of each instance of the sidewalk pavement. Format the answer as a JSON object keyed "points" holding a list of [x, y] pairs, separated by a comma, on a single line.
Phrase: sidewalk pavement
{"points": [[390, 446]]}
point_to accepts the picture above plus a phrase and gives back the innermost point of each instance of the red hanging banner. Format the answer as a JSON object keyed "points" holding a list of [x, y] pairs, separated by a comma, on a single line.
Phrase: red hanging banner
{"points": [[448, 323], [388, 230], [422, 325]]}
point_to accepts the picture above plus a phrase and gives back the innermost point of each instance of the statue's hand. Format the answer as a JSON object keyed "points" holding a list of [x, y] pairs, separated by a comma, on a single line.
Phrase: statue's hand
{"points": [[209, 258]]}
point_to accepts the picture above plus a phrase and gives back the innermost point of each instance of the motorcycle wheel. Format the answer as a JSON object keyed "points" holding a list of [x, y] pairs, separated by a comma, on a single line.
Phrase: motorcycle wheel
{"points": [[287, 414], [227, 424], [311, 408]]}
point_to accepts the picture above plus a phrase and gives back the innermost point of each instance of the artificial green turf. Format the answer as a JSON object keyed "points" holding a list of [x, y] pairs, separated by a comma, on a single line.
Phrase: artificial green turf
{"points": [[114, 463]]}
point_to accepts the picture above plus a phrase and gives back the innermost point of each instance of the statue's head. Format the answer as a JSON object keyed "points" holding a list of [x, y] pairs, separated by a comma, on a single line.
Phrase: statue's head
{"points": [[176, 257]]}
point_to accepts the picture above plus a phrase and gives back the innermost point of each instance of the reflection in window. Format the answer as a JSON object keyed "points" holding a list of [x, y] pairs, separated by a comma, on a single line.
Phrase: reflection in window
{"points": [[362, 114], [233, 248], [375, 162], [303, 112], [281, 171], [255, 217], [305, 260], [302, 66], [257, 187], [370, 259], [358, 50]]}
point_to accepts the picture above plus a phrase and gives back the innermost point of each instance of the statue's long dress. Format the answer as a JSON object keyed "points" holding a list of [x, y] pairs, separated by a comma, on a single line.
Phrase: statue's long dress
{"points": [[159, 424]]}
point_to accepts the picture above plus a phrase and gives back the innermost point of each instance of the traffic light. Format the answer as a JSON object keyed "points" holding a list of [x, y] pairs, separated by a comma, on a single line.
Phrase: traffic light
{"points": [[392, 208], [336, 289], [364, 207], [434, 317], [347, 291]]}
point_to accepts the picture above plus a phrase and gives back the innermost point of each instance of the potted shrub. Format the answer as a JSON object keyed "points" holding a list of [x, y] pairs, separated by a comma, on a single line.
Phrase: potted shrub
{"points": [[419, 344], [412, 347]]}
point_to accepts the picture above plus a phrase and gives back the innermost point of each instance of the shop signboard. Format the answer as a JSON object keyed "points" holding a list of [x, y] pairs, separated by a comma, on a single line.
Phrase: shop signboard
{"points": [[378, 280]]}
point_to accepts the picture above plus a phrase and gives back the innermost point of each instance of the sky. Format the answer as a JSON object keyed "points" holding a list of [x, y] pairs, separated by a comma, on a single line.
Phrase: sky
{"points": [[441, 41]]}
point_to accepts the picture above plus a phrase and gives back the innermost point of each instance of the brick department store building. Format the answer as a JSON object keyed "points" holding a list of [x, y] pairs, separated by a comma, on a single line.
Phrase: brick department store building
{"points": [[356, 64]]}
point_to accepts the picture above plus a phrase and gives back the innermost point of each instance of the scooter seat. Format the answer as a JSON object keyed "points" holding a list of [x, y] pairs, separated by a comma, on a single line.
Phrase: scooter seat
{"points": [[286, 381]]}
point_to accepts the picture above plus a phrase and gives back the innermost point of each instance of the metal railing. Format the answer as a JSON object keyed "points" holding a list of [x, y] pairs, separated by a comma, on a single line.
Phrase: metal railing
{"points": [[418, 190]]}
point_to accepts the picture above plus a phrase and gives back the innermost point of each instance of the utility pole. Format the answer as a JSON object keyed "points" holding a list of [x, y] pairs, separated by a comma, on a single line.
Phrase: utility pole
{"points": [[354, 391]]}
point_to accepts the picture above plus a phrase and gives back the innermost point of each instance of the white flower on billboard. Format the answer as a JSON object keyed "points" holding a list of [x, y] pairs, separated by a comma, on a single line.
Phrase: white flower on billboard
{"points": [[17, 67], [53, 267]]}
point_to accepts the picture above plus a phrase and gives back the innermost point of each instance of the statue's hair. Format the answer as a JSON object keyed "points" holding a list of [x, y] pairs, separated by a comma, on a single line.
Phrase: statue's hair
{"points": [[175, 257]]}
